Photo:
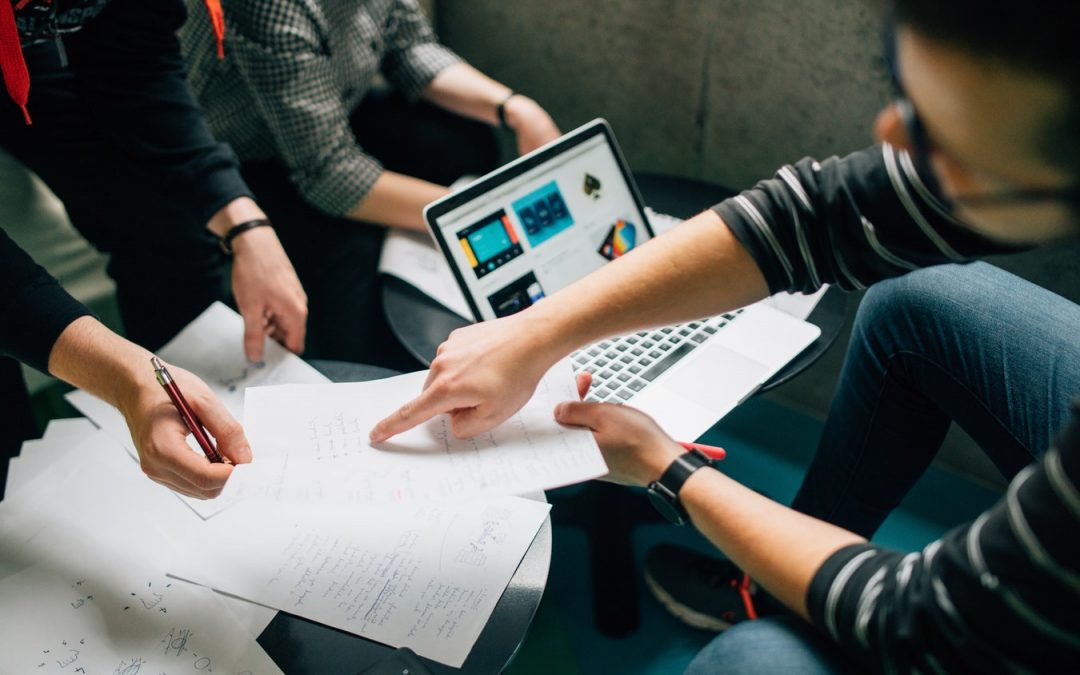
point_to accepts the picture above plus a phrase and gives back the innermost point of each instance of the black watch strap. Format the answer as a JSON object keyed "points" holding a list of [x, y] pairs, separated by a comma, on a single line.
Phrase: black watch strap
{"points": [[237, 230], [500, 110], [664, 491]]}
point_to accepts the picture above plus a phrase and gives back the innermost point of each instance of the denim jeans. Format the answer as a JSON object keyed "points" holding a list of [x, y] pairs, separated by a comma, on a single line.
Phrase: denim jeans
{"points": [[784, 645], [966, 343]]}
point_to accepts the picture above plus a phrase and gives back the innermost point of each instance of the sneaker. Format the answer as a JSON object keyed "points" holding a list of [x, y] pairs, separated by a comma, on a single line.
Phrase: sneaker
{"points": [[702, 591]]}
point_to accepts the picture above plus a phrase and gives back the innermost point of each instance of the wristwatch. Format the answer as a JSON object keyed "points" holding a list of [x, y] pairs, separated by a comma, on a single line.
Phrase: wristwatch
{"points": [[664, 491]]}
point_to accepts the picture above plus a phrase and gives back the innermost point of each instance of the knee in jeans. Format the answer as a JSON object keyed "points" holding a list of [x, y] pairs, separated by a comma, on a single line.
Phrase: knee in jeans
{"points": [[904, 310], [773, 645]]}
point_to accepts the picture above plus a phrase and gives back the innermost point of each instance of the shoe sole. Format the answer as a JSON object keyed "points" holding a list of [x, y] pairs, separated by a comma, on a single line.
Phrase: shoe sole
{"points": [[683, 613]]}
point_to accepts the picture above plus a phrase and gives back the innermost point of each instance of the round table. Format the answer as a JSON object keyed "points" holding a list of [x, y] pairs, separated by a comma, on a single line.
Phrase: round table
{"points": [[421, 325], [300, 646]]}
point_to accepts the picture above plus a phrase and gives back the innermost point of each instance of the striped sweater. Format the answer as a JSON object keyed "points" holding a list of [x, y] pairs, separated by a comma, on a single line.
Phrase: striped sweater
{"points": [[1000, 594]]}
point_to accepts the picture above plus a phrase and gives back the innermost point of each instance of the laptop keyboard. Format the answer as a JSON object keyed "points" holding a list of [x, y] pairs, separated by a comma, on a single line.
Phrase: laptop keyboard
{"points": [[623, 366]]}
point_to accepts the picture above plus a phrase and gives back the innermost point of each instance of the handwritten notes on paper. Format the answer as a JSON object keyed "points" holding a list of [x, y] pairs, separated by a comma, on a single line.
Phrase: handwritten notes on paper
{"points": [[78, 624], [423, 577], [211, 347], [311, 446], [97, 493], [84, 589]]}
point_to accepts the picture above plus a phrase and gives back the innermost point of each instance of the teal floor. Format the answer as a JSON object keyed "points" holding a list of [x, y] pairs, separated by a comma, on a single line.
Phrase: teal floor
{"points": [[768, 448]]}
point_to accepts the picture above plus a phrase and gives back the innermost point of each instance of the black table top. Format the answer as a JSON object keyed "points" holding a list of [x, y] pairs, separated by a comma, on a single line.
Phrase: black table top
{"points": [[302, 647], [422, 324]]}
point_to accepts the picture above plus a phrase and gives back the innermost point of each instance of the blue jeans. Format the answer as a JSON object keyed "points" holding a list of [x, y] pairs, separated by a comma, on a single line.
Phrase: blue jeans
{"points": [[784, 645], [966, 343]]}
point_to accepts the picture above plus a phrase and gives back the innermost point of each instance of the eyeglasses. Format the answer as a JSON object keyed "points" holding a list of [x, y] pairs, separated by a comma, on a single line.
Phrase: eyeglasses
{"points": [[921, 145]]}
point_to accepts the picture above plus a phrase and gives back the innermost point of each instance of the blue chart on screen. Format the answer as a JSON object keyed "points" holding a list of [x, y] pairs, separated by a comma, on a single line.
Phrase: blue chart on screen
{"points": [[543, 213]]}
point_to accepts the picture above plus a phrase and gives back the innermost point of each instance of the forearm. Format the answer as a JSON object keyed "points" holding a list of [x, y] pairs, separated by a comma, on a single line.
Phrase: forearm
{"points": [[462, 89], [397, 200], [237, 211], [90, 356], [698, 269], [780, 548]]}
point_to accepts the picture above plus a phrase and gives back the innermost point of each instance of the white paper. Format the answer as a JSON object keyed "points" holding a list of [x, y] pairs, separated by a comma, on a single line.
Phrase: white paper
{"points": [[318, 436], [212, 348], [413, 258], [95, 611], [35, 458], [37, 455], [66, 428], [95, 489], [796, 304], [423, 577], [661, 222]]}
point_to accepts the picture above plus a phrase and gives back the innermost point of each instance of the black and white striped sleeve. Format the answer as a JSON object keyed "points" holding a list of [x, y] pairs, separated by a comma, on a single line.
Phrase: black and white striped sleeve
{"points": [[1001, 594], [847, 221]]}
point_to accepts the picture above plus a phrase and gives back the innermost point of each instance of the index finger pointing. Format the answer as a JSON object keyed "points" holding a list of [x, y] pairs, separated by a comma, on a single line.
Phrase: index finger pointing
{"points": [[417, 411], [254, 334]]}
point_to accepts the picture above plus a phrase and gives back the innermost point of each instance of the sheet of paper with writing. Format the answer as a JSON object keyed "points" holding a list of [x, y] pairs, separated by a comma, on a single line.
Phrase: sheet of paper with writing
{"points": [[84, 613], [211, 347], [423, 577], [95, 490], [311, 446]]}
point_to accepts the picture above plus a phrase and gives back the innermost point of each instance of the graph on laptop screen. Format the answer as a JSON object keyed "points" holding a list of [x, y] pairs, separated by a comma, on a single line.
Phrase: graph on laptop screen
{"points": [[544, 229]]}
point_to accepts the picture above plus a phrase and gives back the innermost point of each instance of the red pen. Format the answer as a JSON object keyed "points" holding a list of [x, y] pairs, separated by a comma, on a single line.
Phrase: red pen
{"points": [[186, 413], [711, 451]]}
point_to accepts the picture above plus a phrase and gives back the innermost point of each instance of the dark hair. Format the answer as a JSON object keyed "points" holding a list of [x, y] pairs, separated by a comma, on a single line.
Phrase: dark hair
{"points": [[1039, 35]]}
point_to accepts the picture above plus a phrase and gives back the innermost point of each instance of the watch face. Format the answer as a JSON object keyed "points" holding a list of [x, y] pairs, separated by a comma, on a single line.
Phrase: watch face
{"points": [[664, 504]]}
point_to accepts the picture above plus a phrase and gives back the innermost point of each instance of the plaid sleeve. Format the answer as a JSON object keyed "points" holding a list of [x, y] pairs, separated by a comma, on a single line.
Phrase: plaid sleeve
{"points": [[279, 51], [413, 55]]}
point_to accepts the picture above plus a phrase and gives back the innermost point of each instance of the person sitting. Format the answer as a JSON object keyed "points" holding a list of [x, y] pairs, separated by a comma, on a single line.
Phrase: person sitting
{"points": [[980, 155], [332, 155]]}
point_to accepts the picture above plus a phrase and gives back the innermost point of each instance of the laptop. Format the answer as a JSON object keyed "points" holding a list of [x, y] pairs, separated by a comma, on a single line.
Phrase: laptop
{"points": [[543, 221]]}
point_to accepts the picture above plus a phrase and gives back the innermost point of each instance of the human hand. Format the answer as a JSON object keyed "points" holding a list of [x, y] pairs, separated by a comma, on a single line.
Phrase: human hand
{"points": [[636, 449], [481, 375], [531, 123], [160, 435], [268, 293]]}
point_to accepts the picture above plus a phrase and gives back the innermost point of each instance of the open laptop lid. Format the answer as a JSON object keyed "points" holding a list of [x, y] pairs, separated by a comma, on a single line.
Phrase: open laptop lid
{"points": [[541, 222]]}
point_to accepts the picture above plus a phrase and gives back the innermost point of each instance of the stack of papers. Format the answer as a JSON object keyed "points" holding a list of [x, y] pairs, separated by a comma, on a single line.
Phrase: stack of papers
{"points": [[410, 544], [212, 348], [83, 582], [313, 447]]}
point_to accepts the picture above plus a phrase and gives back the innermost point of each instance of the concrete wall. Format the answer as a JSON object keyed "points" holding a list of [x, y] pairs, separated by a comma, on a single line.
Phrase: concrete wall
{"points": [[723, 90]]}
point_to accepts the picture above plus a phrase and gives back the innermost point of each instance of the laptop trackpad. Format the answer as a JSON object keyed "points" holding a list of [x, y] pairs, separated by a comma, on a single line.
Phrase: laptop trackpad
{"points": [[718, 381]]}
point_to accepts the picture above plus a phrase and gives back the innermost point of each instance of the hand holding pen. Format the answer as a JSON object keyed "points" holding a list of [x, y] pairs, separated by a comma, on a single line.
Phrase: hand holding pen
{"points": [[160, 422], [191, 420]]}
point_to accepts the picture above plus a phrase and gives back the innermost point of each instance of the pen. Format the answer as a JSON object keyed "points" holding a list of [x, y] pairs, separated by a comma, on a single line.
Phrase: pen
{"points": [[711, 451], [186, 413]]}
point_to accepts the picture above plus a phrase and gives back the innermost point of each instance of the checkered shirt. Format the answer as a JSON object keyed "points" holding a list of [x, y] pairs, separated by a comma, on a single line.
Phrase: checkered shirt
{"points": [[293, 72]]}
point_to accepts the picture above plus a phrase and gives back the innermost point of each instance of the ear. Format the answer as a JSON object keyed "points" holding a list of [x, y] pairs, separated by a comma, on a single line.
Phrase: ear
{"points": [[954, 177], [889, 128]]}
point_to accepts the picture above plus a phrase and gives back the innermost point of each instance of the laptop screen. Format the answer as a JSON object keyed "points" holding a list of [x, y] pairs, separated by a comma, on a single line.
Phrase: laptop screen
{"points": [[540, 223]]}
